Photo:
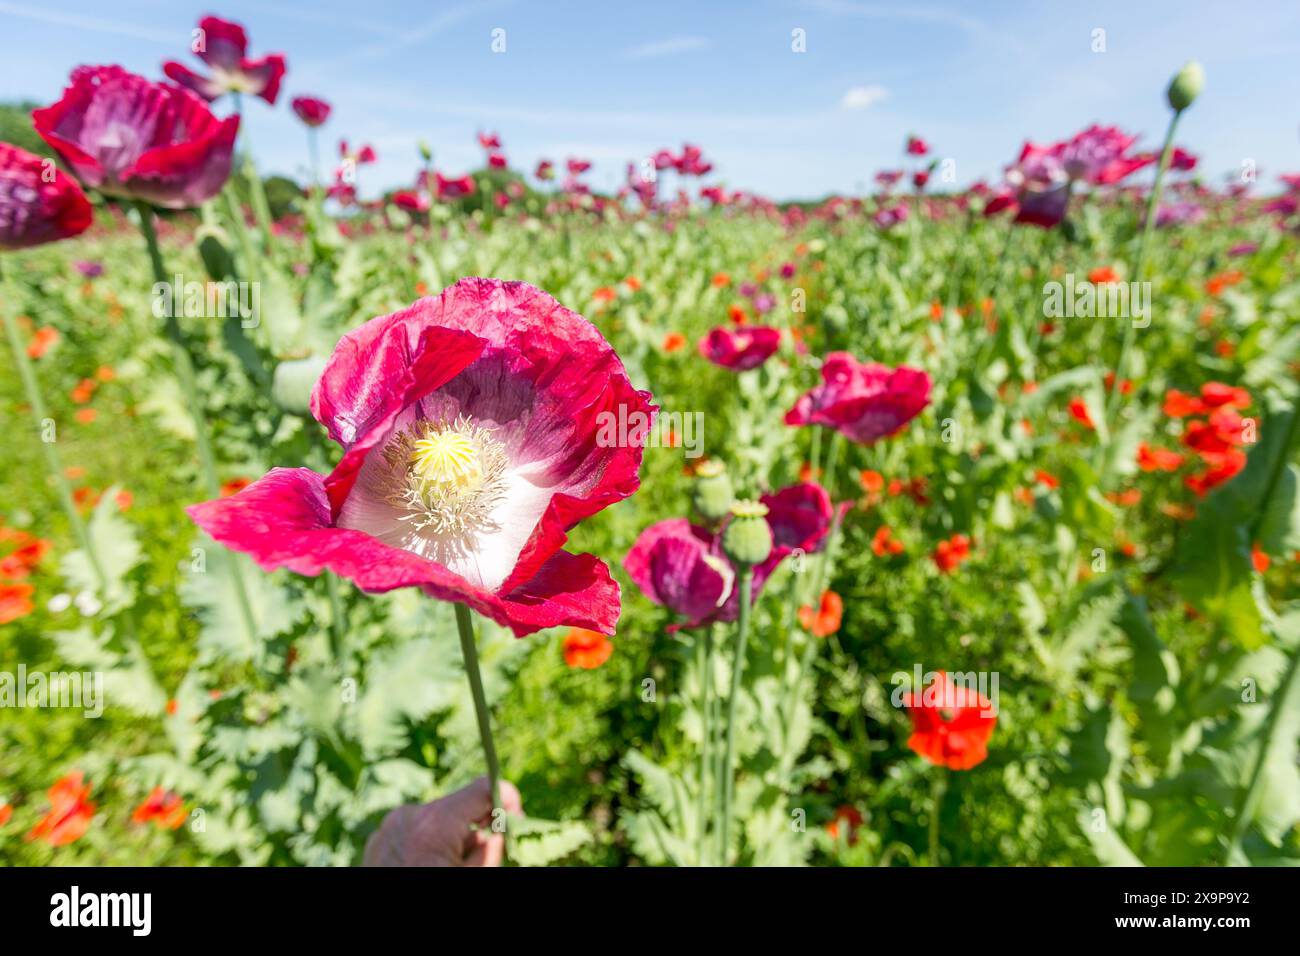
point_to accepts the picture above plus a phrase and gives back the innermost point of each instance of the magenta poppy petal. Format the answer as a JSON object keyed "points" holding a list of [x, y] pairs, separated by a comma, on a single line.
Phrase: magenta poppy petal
{"points": [[265, 75], [284, 520], [224, 43], [182, 75]]}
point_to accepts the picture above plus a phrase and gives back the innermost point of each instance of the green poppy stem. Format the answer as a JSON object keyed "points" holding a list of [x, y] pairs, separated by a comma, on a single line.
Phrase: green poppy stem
{"points": [[469, 650], [938, 787], [184, 368], [41, 414], [1139, 264], [737, 668], [704, 660]]}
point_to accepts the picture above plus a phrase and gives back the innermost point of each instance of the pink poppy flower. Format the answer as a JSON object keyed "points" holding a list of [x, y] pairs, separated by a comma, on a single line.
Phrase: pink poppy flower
{"points": [[1041, 186], [887, 217], [360, 157], [863, 401], [920, 178], [577, 167], [1181, 160], [311, 110], [681, 566], [412, 200], [489, 141], [664, 159], [545, 171], [917, 146], [1099, 156], [471, 425], [497, 160], [448, 190], [692, 162], [716, 195], [128, 136], [224, 50], [36, 208], [740, 349]]}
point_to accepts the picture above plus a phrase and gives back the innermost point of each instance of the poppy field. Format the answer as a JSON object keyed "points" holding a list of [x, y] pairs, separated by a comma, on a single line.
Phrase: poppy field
{"points": [[932, 526]]}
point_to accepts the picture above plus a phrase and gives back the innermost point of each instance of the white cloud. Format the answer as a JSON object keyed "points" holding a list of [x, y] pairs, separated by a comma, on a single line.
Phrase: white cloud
{"points": [[670, 47], [863, 97]]}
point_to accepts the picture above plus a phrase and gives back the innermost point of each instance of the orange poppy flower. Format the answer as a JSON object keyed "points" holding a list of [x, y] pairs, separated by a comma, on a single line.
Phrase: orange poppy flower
{"points": [[673, 341], [163, 808], [586, 649], [825, 620], [15, 601], [70, 812]]}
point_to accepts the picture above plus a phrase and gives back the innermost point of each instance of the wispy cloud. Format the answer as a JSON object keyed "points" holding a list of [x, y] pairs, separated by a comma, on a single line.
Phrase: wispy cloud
{"points": [[441, 22], [863, 97], [90, 24], [672, 46]]}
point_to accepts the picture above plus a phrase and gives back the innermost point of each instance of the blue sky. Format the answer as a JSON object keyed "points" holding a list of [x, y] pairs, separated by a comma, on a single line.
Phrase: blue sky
{"points": [[611, 81]]}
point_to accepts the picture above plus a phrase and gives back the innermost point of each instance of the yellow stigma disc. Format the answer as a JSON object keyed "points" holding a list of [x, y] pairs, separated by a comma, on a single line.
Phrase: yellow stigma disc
{"points": [[448, 461]]}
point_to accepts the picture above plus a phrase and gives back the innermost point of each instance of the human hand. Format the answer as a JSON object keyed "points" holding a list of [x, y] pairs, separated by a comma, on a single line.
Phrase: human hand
{"points": [[455, 830]]}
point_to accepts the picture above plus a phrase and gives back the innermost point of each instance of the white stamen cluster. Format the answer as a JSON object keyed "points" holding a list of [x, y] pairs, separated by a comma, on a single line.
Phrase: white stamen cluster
{"points": [[447, 477]]}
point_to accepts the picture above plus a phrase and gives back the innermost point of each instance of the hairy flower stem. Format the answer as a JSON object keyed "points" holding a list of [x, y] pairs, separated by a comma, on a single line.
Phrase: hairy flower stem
{"points": [[184, 368], [40, 414], [737, 668], [1139, 263], [256, 191], [469, 650], [938, 787], [704, 660]]}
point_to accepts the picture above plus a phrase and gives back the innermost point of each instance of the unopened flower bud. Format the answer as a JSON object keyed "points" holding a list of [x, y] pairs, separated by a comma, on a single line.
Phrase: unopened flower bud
{"points": [[747, 539], [712, 494], [426, 151], [1186, 86]]}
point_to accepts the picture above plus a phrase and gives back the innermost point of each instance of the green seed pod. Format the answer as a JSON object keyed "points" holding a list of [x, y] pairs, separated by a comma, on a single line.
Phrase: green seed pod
{"points": [[747, 539], [712, 494], [294, 379], [426, 151], [1186, 86]]}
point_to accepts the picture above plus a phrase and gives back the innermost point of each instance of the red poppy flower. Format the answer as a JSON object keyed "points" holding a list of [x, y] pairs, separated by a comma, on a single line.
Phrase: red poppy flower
{"points": [[1220, 468], [851, 817], [38, 204], [950, 553], [224, 49], [1078, 409], [863, 401], [6, 812], [70, 812], [1217, 395], [451, 189], [15, 601], [917, 146], [673, 342], [1179, 404], [128, 136], [1259, 559], [586, 649], [1158, 459], [740, 349], [871, 481], [951, 724], [884, 544], [1046, 479], [163, 808], [476, 429], [42, 340], [824, 620], [411, 200], [311, 110]]}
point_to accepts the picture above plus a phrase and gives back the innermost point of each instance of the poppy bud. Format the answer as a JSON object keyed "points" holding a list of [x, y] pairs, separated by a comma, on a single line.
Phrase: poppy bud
{"points": [[1186, 86], [747, 539], [426, 151], [293, 382], [712, 495]]}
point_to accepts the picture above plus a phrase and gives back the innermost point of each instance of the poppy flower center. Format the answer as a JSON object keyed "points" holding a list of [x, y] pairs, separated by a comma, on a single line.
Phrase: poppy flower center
{"points": [[446, 476]]}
